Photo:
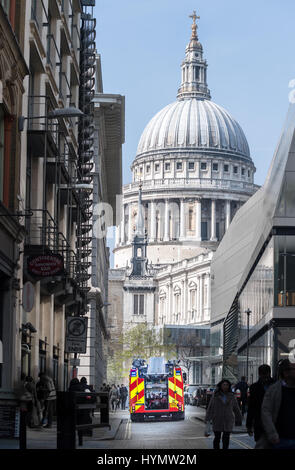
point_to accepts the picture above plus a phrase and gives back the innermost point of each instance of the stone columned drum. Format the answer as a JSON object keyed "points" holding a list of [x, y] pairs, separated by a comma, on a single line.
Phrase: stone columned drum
{"points": [[194, 165]]}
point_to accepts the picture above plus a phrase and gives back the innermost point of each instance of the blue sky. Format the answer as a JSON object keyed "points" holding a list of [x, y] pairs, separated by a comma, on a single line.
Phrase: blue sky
{"points": [[249, 47]]}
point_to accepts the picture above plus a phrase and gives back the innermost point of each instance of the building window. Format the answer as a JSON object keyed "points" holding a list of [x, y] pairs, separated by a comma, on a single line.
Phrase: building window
{"points": [[191, 165], [190, 219], [226, 169], [167, 166], [55, 365], [148, 168], [178, 165], [235, 170], [204, 230], [248, 173], [1, 153], [243, 171], [215, 166], [157, 167], [138, 304], [42, 356], [203, 166]]}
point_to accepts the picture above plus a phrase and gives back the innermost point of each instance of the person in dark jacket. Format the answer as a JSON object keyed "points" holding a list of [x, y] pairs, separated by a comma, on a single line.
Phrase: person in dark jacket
{"points": [[257, 391], [243, 387], [123, 394], [83, 416], [46, 393], [278, 411], [224, 411]]}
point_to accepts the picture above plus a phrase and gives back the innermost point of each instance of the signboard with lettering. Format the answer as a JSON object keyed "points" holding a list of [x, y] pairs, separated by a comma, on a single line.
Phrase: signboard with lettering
{"points": [[46, 265], [76, 335], [9, 421]]}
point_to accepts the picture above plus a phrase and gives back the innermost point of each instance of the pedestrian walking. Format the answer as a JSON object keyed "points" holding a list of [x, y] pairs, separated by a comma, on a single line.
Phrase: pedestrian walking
{"points": [[278, 411], [34, 409], [46, 394], [124, 394], [224, 411], [257, 391], [114, 397], [119, 397], [76, 386], [243, 387], [90, 389]]}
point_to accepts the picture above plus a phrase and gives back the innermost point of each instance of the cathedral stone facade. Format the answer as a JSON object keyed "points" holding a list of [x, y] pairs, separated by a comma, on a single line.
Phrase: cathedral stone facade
{"points": [[193, 171]]}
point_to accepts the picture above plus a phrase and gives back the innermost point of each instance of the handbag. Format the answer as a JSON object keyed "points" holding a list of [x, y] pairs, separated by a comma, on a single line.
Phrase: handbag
{"points": [[208, 429]]}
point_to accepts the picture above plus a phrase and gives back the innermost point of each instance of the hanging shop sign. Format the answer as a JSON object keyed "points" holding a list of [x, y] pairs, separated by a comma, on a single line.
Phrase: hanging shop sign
{"points": [[76, 335], [46, 265]]}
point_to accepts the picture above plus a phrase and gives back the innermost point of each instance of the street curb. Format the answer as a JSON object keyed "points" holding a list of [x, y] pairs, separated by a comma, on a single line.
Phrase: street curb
{"points": [[242, 431], [111, 437]]}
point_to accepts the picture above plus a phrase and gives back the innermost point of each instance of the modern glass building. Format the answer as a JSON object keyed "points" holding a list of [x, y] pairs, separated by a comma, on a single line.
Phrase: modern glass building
{"points": [[253, 270]]}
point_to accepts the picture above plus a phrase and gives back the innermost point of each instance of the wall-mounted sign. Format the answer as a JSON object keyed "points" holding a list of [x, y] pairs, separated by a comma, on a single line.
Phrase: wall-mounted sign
{"points": [[46, 265], [28, 296], [76, 335]]}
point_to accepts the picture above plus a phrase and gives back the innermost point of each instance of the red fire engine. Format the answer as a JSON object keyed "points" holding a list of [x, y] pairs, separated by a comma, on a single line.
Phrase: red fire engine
{"points": [[155, 390]]}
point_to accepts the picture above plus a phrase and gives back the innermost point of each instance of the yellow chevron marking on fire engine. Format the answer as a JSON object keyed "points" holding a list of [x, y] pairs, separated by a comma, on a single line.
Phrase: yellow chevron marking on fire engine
{"points": [[134, 390], [140, 388], [179, 391]]}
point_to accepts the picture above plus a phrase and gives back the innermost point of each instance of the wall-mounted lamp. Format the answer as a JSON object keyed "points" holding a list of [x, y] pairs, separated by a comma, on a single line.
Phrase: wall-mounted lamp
{"points": [[70, 112]]}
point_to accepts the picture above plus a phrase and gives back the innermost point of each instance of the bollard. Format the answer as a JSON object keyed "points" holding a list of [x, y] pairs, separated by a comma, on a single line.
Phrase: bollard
{"points": [[104, 412], [23, 429], [66, 420]]}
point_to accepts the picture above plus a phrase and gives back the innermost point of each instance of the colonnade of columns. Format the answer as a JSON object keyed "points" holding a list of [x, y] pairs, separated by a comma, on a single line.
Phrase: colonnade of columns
{"points": [[167, 220], [189, 312]]}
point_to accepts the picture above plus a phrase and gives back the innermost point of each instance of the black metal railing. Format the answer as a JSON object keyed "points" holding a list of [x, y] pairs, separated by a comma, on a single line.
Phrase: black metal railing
{"points": [[69, 422]]}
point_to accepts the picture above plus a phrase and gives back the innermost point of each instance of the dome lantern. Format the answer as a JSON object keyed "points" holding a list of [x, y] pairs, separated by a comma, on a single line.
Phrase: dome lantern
{"points": [[194, 69]]}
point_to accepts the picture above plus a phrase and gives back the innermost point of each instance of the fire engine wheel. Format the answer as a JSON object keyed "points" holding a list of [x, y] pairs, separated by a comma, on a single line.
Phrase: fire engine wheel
{"points": [[136, 418], [179, 415]]}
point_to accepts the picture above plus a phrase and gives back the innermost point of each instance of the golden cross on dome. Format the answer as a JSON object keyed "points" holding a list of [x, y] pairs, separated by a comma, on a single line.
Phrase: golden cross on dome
{"points": [[194, 25]]}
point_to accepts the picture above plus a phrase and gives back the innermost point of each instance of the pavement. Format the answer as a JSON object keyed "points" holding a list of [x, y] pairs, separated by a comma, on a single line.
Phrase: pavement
{"points": [[201, 413], [45, 438]]}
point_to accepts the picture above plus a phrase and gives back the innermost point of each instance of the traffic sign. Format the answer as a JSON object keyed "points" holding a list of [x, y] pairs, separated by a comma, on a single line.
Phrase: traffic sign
{"points": [[76, 335]]}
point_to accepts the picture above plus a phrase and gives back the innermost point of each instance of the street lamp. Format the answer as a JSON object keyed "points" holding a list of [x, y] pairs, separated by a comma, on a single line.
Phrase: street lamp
{"points": [[70, 112], [248, 312]]}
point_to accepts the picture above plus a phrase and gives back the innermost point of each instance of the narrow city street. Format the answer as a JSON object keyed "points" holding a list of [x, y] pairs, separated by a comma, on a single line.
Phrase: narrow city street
{"points": [[186, 434], [124, 434]]}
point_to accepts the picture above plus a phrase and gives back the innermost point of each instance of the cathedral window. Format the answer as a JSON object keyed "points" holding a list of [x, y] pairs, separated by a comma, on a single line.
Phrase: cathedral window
{"points": [[191, 165], [148, 168], [243, 171], [235, 170], [138, 306], [190, 219], [226, 168], [203, 166], [178, 165], [248, 173], [167, 166], [196, 73], [215, 166], [157, 167]]}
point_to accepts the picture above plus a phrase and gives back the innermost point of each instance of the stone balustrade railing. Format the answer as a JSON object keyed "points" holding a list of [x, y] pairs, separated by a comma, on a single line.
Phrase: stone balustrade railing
{"points": [[194, 183]]}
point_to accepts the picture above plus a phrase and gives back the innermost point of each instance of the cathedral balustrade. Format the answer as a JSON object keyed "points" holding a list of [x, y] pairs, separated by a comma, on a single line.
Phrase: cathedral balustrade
{"points": [[191, 183]]}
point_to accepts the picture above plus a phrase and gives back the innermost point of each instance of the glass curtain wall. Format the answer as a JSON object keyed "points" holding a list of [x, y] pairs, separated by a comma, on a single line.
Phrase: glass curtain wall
{"points": [[284, 286], [259, 291]]}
